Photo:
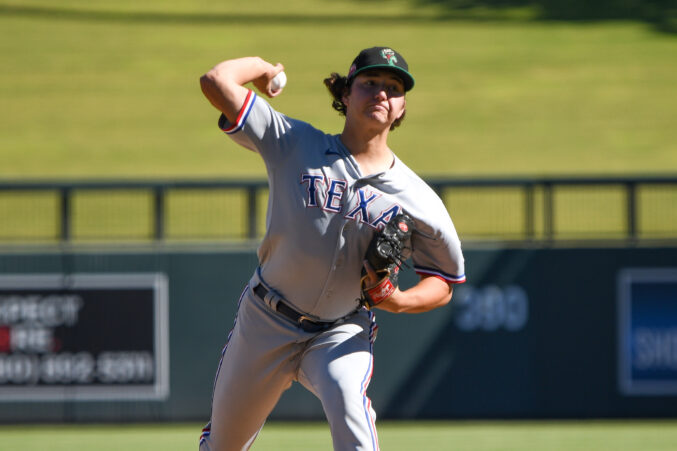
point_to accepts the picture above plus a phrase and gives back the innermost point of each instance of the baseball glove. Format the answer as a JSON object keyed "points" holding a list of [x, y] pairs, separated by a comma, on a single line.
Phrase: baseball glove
{"points": [[385, 254]]}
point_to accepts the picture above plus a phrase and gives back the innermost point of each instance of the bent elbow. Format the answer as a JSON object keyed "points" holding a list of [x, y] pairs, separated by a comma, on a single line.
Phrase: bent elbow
{"points": [[443, 301], [447, 298], [207, 81]]}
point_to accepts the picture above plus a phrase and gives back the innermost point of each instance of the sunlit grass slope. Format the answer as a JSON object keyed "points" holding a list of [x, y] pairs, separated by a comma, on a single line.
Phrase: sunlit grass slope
{"points": [[110, 88]]}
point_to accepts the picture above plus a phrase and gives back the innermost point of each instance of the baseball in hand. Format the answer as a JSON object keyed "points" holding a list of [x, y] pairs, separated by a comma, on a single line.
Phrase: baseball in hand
{"points": [[279, 81]]}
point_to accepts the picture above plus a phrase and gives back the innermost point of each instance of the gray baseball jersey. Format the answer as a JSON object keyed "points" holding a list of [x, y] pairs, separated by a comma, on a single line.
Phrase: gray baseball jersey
{"points": [[323, 212]]}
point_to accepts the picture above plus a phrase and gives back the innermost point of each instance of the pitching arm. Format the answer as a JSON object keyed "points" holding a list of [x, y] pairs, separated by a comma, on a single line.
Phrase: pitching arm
{"points": [[224, 84]]}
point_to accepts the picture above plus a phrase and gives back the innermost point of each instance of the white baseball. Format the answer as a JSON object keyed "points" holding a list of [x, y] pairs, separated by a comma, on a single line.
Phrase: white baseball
{"points": [[279, 81]]}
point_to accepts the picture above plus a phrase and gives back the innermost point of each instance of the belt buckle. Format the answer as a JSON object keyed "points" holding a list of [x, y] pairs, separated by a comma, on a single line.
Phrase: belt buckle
{"points": [[309, 325]]}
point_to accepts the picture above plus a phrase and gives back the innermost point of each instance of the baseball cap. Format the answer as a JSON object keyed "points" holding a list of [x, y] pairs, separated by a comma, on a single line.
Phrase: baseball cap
{"points": [[382, 58]]}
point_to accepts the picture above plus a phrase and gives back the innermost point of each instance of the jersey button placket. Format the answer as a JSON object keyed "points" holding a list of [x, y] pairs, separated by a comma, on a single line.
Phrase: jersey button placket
{"points": [[338, 263]]}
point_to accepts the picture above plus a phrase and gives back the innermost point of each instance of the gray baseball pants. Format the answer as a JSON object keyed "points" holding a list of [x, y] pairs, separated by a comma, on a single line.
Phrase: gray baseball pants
{"points": [[266, 352]]}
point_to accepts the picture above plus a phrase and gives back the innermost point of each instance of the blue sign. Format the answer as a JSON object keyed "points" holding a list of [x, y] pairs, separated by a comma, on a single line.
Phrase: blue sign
{"points": [[647, 331]]}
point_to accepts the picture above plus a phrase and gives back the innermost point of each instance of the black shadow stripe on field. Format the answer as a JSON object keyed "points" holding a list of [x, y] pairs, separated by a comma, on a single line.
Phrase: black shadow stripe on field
{"points": [[666, 21], [210, 18]]}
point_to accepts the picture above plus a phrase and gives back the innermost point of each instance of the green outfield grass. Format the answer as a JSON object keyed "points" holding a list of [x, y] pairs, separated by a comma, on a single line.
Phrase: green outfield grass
{"points": [[110, 88], [393, 436]]}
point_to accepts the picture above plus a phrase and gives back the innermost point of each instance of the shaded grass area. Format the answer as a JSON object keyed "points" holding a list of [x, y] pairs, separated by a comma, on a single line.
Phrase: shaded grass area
{"points": [[658, 435]]}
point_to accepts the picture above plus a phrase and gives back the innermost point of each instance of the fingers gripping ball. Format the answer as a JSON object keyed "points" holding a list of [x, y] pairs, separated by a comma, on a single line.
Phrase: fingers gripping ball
{"points": [[385, 255], [279, 81]]}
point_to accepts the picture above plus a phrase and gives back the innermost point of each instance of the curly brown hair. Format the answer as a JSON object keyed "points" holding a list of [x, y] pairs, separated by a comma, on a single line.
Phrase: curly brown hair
{"points": [[339, 86]]}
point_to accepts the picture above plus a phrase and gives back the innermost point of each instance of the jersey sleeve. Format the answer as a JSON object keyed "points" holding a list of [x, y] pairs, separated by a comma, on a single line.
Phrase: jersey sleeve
{"points": [[436, 250], [258, 127]]}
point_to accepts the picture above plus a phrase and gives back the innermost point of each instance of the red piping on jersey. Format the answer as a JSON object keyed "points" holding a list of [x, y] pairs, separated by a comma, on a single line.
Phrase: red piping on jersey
{"points": [[446, 279], [366, 402], [242, 115]]}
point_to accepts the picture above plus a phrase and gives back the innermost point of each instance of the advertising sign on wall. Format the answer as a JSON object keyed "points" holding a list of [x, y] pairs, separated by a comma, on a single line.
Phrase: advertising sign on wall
{"points": [[84, 337], [647, 331]]}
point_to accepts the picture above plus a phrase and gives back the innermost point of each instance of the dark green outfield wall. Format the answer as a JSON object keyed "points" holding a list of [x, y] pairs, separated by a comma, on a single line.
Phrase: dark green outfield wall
{"points": [[533, 333]]}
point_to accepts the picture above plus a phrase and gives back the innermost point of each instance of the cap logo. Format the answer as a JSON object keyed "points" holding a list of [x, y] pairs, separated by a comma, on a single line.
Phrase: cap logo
{"points": [[389, 56]]}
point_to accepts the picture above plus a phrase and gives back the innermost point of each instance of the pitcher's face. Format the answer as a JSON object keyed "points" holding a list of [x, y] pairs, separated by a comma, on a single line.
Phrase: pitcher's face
{"points": [[376, 95]]}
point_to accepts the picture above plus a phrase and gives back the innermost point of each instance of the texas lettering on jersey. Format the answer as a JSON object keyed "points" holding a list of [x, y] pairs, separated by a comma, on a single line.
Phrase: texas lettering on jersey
{"points": [[327, 194]]}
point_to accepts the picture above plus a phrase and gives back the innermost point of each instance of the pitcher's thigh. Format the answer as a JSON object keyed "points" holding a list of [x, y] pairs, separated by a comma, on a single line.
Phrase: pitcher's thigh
{"points": [[257, 366], [338, 370]]}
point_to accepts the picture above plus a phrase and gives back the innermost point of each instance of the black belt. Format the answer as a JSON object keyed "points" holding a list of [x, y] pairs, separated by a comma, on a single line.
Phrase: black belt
{"points": [[302, 321]]}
